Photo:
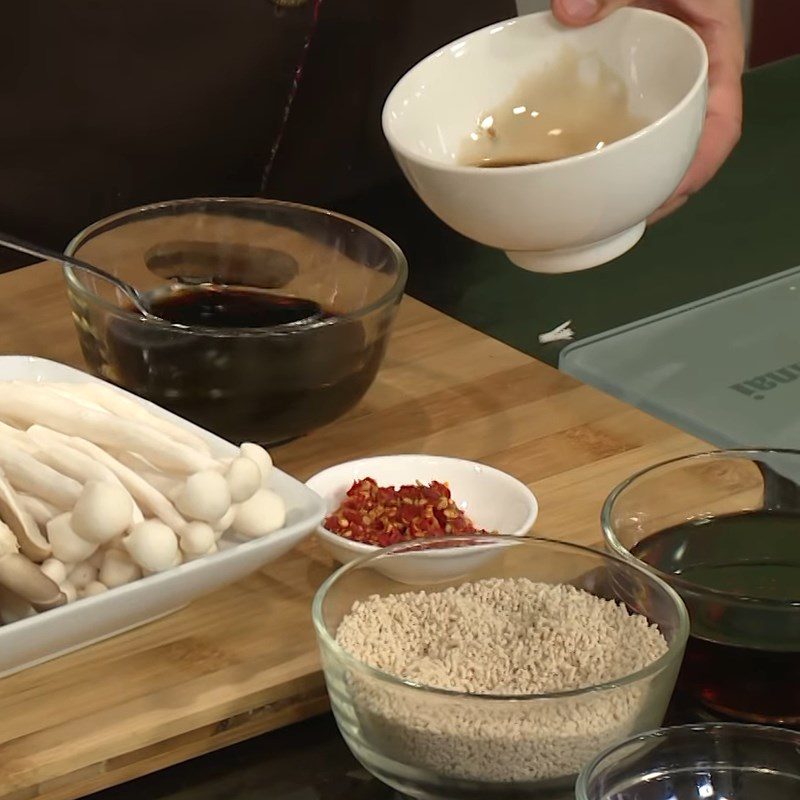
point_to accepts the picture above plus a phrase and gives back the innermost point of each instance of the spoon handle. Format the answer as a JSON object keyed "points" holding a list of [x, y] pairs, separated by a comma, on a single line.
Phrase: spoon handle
{"points": [[36, 250]]}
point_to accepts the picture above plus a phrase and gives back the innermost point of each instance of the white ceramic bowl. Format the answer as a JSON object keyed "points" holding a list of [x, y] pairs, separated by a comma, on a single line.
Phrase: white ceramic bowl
{"points": [[493, 500], [49, 634], [564, 215]]}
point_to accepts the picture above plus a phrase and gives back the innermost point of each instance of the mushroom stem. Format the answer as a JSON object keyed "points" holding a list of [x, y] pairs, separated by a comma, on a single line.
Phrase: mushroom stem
{"points": [[116, 403], [164, 482], [30, 404], [148, 498], [41, 511], [16, 437], [27, 474], [56, 451], [13, 513]]}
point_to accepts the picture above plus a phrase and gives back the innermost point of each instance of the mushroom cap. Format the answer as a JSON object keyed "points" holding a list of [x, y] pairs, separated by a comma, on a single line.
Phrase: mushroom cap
{"points": [[204, 496], [81, 575], [67, 545], [103, 511], [94, 588], [24, 527], [152, 545], [244, 478], [258, 454], [118, 568], [197, 538], [263, 513], [21, 576]]}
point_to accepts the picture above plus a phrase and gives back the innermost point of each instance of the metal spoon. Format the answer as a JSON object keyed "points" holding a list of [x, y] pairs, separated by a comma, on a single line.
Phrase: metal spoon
{"points": [[139, 300], [310, 310]]}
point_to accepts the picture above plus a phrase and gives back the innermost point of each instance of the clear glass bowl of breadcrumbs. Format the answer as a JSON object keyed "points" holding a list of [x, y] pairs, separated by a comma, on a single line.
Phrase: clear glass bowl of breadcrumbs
{"points": [[504, 682]]}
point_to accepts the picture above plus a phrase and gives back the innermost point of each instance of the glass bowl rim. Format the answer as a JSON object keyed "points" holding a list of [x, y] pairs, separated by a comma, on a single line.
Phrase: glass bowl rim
{"points": [[386, 299], [674, 649], [620, 550], [701, 728]]}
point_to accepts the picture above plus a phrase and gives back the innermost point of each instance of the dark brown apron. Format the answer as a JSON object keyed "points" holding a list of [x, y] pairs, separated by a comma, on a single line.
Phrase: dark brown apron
{"points": [[106, 105]]}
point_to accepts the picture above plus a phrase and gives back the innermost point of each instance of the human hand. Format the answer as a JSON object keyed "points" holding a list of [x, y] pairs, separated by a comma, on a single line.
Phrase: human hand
{"points": [[719, 25]]}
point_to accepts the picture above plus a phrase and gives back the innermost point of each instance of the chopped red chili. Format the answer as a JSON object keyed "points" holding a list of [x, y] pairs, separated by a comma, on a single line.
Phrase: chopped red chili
{"points": [[383, 515]]}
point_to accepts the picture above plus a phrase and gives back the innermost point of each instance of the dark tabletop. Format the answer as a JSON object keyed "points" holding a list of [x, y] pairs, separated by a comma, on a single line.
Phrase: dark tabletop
{"points": [[741, 227], [307, 761]]}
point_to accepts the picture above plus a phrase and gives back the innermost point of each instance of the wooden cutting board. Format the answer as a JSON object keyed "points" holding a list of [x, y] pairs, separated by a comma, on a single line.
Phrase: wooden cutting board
{"points": [[243, 661]]}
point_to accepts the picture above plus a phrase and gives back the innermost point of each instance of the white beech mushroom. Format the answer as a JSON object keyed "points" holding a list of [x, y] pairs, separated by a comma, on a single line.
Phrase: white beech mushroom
{"points": [[262, 458], [204, 496], [67, 545], [244, 478], [224, 522], [118, 568], [23, 525], [112, 401], [63, 390], [164, 482], [41, 511], [69, 591], [59, 455], [93, 589], [13, 608], [82, 574], [148, 498], [24, 578], [120, 491], [26, 474], [16, 437], [54, 569], [197, 539], [103, 512], [152, 545], [29, 404], [263, 513]]}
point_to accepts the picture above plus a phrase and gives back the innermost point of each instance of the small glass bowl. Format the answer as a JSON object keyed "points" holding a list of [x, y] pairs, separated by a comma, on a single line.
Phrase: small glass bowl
{"points": [[715, 761], [743, 656], [434, 743], [259, 384]]}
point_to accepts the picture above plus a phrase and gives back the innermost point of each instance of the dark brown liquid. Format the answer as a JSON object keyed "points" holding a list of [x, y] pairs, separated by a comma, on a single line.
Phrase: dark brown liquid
{"points": [[740, 663], [226, 307], [249, 386], [572, 106]]}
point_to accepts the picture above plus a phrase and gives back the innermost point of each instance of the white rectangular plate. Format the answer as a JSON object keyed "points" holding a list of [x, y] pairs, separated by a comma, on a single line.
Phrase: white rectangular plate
{"points": [[53, 633]]}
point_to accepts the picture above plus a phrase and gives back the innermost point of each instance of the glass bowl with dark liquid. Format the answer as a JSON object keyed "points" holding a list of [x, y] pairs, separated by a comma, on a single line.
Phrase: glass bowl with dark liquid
{"points": [[273, 317], [723, 528]]}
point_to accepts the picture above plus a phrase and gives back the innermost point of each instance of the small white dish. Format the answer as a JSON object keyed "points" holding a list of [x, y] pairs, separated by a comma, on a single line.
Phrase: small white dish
{"points": [[52, 633], [577, 212], [492, 499]]}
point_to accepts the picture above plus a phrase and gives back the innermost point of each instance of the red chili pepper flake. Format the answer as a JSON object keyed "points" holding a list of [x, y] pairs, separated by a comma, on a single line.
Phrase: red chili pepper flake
{"points": [[383, 515]]}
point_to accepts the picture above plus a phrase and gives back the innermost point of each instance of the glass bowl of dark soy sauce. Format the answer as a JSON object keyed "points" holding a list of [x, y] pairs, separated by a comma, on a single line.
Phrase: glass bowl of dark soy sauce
{"points": [[273, 317], [723, 528]]}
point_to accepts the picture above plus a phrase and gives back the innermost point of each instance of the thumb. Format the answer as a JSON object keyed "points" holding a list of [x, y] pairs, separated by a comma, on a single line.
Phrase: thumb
{"points": [[582, 12]]}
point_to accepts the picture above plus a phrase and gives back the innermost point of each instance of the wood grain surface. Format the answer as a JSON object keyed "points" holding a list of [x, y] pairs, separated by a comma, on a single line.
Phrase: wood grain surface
{"points": [[244, 661]]}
